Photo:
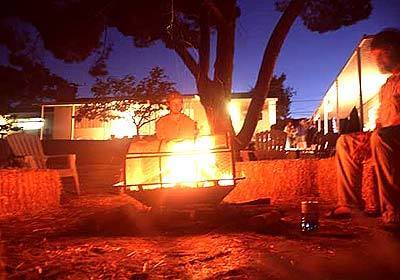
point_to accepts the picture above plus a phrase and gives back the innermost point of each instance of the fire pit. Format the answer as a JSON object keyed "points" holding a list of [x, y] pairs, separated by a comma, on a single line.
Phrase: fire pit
{"points": [[180, 174], [182, 197]]}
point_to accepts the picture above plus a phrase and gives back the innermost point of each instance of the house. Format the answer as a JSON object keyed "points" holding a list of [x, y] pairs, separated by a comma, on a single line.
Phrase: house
{"points": [[60, 122], [356, 85]]}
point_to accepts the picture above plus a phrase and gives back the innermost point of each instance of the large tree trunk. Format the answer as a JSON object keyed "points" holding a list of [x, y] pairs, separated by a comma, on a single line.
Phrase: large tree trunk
{"points": [[215, 94], [271, 53], [217, 113]]}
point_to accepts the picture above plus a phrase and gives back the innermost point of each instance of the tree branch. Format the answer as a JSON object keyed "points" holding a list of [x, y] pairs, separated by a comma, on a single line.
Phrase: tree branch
{"points": [[275, 43], [225, 50], [148, 120], [215, 12], [187, 59], [271, 53], [204, 46]]}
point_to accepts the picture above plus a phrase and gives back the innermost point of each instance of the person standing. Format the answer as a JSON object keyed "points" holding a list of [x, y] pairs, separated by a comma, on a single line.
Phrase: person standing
{"points": [[291, 133]]}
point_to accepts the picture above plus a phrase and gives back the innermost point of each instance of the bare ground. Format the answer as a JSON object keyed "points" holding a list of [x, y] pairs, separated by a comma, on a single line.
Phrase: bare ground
{"points": [[103, 237]]}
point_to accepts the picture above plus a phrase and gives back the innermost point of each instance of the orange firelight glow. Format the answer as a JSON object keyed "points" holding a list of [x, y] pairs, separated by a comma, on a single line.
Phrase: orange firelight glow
{"points": [[188, 163], [192, 162]]}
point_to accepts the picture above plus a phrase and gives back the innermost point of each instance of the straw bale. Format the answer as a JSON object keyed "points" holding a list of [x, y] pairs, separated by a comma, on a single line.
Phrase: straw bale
{"points": [[284, 181], [28, 191], [291, 180], [3, 275], [326, 180]]}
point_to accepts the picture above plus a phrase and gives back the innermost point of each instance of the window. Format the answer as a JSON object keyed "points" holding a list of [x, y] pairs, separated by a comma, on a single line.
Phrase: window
{"points": [[88, 123]]}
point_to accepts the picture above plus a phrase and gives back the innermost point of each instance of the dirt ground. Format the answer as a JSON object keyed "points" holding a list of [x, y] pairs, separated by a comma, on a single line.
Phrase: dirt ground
{"points": [[101, 237]]}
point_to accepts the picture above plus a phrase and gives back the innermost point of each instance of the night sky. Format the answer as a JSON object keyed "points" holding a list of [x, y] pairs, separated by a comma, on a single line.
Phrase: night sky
{"points": [[310, 60]]}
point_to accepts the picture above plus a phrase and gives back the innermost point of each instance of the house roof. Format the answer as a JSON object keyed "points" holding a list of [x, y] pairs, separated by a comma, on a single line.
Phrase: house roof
{"points": [[363, 39]]}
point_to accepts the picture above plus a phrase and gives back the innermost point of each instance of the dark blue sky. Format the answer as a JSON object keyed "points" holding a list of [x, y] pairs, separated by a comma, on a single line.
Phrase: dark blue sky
{"points": [[311, 61]]}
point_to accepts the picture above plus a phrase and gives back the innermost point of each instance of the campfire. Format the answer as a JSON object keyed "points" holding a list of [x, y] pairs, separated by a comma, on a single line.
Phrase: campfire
{"points": [[178, 173]]}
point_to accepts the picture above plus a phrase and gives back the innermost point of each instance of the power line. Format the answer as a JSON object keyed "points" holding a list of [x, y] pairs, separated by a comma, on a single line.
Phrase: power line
{"points": [[305, 100]]}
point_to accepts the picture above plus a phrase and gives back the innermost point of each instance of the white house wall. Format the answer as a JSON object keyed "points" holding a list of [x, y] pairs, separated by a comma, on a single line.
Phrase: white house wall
{"points": [[97, 130], [346, 89]]}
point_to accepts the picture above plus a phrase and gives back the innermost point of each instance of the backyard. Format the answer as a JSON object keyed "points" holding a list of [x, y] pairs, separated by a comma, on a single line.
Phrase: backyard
{"points": [[106, 234], [199, 139], [99, 236]]}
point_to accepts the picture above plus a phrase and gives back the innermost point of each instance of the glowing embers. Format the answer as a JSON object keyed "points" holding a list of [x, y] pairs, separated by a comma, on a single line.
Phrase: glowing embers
{"points": [[203, 162]]}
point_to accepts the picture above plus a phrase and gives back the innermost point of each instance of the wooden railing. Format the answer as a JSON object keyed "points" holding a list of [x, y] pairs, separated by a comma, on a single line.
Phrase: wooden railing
{"points": [[273, 140]]}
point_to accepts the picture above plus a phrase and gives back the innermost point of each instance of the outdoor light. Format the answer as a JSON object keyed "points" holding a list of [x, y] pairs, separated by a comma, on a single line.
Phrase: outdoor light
{"points": [[123, 126], [234, 112]]}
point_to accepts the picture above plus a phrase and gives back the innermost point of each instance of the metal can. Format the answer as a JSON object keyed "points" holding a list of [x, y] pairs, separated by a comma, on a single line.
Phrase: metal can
{"points": [[309, 215]]}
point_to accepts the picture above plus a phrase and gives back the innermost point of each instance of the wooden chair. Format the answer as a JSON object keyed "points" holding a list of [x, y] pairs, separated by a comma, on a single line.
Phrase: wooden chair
{"points": [[29, 148]]}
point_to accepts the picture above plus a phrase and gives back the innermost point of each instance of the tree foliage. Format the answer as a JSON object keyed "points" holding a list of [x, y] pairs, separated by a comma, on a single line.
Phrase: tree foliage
{"points": [[284, 95], [141, 100], [74, 29], [30, 84], [25, 79], [327, 15]]}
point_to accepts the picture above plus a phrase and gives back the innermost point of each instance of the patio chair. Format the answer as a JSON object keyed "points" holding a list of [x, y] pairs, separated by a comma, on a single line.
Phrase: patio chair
{"points": [[28, 148]]}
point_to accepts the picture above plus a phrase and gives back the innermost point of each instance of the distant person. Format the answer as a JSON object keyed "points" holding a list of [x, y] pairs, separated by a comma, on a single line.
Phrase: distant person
{"points": [[311, 134], [175, 125], [252, 148], [384, 142], [291, 133], [301, 135]]}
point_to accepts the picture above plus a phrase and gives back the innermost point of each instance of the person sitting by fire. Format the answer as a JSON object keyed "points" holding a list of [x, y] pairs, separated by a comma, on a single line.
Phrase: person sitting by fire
{"points": [[383, 142], [175, 125]]}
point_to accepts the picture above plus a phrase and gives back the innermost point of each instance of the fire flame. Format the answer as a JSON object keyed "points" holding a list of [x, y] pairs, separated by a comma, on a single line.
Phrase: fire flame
{"points": [[191, 163]]}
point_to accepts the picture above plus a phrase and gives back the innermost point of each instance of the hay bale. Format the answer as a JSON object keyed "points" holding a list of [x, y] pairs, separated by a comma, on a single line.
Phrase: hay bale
{"points": [[285, 181], [291, 180], [28, 191], [3, 275], [326, 180]]}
